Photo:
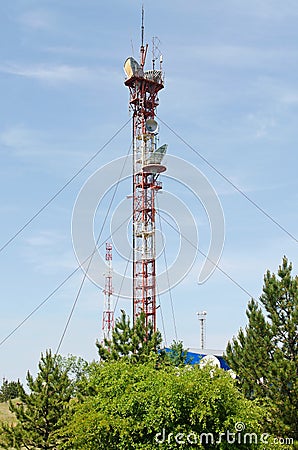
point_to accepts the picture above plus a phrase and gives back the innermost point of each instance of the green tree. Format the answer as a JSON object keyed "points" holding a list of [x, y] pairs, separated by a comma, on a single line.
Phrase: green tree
{"points": [[265, 354], [43, 411], [177, 354], [9, 390], [76, 369], [135, 342], [140, 406]]}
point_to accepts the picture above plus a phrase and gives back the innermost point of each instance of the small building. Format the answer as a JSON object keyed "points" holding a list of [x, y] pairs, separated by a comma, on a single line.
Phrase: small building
{"points": [[204, 356]]}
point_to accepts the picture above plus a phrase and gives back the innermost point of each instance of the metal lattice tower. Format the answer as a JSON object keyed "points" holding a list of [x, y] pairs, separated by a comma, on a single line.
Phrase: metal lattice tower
{"points": [[108, 313], [144, 87]]}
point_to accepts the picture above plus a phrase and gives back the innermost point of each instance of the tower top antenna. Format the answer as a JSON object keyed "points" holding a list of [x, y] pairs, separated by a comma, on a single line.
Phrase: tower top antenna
{"points": [[143, 47], [142, 28]]}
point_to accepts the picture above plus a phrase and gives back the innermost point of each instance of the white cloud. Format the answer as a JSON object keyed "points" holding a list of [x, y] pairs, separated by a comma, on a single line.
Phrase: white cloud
{"points": [[45, 239], [290, 97], [25, 142], [256, 9], [242, 56], [262, 125], [54, 74], [269, 10], [21, 139], [42, 249], [37, 19]]}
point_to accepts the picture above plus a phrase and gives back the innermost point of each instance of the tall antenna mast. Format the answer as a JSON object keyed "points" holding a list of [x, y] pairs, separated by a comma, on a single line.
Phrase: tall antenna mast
{"points": [[143, 88], [108, 312], [142, 28], [143, 48], [202, 318]]}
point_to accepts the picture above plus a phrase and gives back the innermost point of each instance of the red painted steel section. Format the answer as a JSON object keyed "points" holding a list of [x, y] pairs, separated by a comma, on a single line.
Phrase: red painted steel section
{"points": [[144, 87]]}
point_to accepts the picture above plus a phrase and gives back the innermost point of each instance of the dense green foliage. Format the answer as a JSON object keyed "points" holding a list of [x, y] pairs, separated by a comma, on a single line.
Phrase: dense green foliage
{"points": [[265, 354], [140, 397], [135, 341], [42, 412], [138, 406], [76, 369], [9, 390]]}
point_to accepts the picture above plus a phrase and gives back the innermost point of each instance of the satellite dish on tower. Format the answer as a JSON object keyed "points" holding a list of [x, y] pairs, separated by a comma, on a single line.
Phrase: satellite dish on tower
{"points": [[132, 68], [151, 125], [153, 164]]}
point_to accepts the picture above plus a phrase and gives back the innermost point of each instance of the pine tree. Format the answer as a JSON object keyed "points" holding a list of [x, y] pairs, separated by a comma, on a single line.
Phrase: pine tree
{"points": [[265, 355], [135, 342], [177, 355], [43, 411], [76, 368], [9, 390]]}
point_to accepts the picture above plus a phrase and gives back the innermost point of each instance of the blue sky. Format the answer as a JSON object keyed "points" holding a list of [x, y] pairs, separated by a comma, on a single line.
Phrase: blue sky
{"points": [[231, 92]]}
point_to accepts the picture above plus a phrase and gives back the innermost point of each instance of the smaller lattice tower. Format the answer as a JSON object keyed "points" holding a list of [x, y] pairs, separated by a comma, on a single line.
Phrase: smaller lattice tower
{"points": [[108, 312]]}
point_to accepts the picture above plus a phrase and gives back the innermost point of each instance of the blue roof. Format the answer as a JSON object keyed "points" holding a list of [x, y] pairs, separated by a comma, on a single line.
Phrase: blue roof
{"points": [[195, 358]]}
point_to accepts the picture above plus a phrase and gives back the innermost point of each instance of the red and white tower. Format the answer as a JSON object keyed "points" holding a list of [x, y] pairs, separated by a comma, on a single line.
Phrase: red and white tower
{"points": [[144, 87], [108, 313]]}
